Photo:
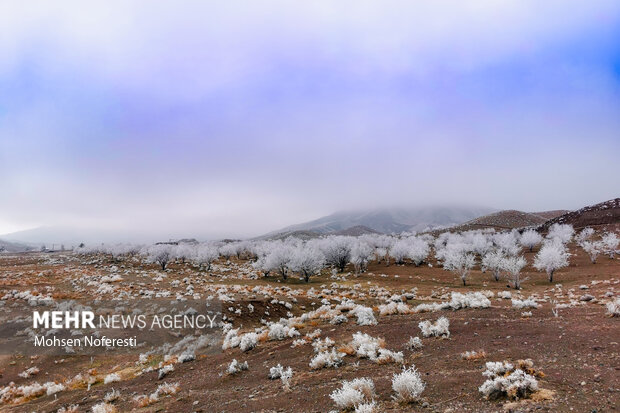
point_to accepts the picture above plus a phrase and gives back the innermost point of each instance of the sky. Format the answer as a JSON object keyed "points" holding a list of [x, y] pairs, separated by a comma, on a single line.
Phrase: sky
{"points": [[236, 118]]}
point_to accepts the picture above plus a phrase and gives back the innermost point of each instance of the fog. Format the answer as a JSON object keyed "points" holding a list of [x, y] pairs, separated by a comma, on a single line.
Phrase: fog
{"points": [[171, 119]]}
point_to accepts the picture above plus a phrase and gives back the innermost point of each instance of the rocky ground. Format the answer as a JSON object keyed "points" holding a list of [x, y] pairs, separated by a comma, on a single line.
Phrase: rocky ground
{"points": [[574, 343]]}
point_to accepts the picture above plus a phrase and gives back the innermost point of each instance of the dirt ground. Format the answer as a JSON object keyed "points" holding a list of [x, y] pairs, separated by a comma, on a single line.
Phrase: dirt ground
{"points": [[578, 350]]}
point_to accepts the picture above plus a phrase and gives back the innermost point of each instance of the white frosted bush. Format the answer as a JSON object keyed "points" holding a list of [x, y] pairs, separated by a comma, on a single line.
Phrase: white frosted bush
{"points": [[506, 381], [408, 385], [469, 300], [353, 393], [365, 316], [284, 374], [248, 341], [613, 308], [103, 408], [279, 331], [235, 367], [394, 308], [414, 343], [330, 358], [111, 378], [438, 329], [526, 303], [365, 407]]}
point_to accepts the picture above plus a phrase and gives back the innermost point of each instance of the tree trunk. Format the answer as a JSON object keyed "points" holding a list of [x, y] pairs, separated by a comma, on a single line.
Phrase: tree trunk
{"points": [[551, 276], [307, 277]]}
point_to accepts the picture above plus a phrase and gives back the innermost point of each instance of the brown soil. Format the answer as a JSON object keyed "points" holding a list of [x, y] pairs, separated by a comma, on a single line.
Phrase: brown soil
{"points": [[578, 351]]}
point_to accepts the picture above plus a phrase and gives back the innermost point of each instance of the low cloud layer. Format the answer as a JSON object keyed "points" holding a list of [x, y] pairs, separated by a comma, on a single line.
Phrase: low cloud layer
{"points": [[202, 119]]}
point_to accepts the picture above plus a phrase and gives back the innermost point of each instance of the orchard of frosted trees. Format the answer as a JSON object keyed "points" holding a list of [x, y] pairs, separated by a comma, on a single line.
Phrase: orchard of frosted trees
{"points": [[499, 253]]}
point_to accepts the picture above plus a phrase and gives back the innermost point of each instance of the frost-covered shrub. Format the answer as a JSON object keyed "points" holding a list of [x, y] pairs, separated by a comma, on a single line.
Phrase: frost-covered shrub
{"points": [[473, 355], [365, 407], [162, 372], [104, 408], [366, 346], [111, 396], [111, 378], [322, 345], [248, 341], [526, 303], [235, 367], [365, 316], [469, 300], [29, 372], [284, 374], [408, 385], [353, 393], [74, 408], [613, 307], [504, 380], [394, 308], [507, 295], [231, 339], [162, 390], [330, 358], [414, 343], [438, 329], [279, 331], [339, 319]]}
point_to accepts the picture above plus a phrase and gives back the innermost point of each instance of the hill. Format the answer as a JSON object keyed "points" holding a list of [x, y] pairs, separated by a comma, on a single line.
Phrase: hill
{"points": [[604, 213], [389, 220], [502, 220], [551, 214]]}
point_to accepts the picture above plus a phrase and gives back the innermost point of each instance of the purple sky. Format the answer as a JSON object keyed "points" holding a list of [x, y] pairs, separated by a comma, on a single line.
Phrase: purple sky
{"points": [[241, 118]]}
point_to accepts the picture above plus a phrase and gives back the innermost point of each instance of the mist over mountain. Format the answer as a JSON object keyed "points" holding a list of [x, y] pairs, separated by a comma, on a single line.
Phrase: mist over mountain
{"points": [[391, 220]]}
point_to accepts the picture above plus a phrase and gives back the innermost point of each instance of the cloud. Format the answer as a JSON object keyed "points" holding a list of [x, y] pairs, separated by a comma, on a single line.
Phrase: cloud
{"points": [[246, 116]]}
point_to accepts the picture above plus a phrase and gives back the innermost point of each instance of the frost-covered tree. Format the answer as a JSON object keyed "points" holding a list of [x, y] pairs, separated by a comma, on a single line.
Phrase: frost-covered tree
{"points": [[493, 261], [159, 254], [307, 261], [418, 250], [399, 251], [562, 232], [610, 243], [278, 259], [584, 235], [530, 239], [551, 257], [459, 262], [205, 254], [361, 255], [337, 251], [183, 252], [481, 244], [592, 248], [513, 266], [507, 242]]}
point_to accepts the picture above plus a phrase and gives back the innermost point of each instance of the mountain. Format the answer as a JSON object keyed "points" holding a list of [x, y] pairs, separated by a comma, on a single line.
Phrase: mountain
{"points": [[389, 220], [7, 246], [604, 213], [355, 231]]}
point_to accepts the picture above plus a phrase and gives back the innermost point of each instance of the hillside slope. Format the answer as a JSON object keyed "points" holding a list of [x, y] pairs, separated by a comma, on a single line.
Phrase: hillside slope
{"points": [[603, 213]]}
